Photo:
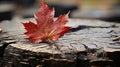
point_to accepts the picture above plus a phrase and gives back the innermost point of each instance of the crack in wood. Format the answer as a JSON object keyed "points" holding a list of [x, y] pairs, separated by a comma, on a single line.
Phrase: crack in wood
{"points": [[2, 48], [84, 27]]}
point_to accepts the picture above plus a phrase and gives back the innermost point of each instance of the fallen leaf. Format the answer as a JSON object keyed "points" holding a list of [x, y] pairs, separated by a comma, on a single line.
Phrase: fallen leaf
{"points": [[45, 28]]}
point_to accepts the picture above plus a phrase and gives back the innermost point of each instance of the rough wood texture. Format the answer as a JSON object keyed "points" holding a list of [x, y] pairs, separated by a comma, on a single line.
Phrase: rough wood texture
{"points": [[89, 43]]}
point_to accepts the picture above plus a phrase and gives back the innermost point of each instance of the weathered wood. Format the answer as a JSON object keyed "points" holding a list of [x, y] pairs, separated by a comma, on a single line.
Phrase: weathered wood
{"points": [[89, 43]]}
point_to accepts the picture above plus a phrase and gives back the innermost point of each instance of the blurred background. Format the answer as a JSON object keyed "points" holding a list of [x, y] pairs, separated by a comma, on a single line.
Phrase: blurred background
{"points": [[108, 10]]}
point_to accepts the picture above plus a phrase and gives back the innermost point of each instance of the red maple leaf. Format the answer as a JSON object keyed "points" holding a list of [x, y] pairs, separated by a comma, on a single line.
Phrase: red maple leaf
{"points": [[46, 28]]}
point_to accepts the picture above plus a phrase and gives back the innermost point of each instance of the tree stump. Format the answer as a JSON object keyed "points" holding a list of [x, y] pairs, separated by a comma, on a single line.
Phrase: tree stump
{"points": [[89, 43]]}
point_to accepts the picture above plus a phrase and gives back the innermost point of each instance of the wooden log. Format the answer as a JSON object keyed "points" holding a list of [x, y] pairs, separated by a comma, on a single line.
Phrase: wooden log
{"points": [[89, 43]]}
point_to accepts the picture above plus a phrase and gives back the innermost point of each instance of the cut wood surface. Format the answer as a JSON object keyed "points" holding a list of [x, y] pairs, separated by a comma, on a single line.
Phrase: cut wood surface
{"points": [[85, 35]]}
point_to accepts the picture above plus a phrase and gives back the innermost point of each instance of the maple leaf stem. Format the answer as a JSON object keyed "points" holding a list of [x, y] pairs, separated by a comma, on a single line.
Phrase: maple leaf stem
{"points": [[52, 44]]}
